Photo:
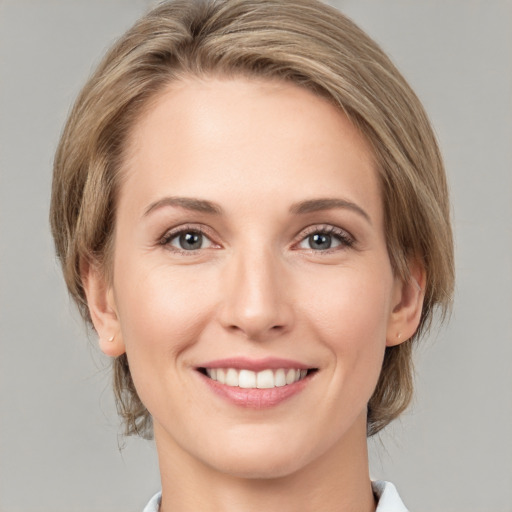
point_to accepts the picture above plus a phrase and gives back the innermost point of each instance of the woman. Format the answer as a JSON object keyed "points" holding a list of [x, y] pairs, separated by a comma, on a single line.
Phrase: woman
{"points": [[250, 208]]}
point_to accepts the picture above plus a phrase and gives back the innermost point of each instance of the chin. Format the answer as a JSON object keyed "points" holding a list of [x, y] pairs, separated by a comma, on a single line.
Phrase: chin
{"points": [[266, 459], [260, 467]]}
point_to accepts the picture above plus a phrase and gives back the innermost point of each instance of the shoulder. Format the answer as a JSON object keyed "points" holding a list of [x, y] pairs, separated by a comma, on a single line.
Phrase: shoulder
{"points": [[387, 497]]}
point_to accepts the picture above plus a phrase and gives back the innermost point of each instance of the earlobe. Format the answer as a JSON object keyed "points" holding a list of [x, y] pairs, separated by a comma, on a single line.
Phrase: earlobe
{"points": [[112, 346], [407, 306], [102, 308]]}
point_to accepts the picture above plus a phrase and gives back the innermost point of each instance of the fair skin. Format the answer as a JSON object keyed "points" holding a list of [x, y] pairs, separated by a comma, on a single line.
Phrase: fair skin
{"points": [[250, 235]]}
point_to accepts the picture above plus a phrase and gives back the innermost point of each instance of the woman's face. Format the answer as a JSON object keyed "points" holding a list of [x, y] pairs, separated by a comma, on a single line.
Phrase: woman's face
{"points": [[252, 289]]}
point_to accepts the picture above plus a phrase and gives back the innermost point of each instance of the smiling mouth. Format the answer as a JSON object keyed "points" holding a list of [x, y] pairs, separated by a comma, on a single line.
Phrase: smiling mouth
{"points": [[248, 379]]}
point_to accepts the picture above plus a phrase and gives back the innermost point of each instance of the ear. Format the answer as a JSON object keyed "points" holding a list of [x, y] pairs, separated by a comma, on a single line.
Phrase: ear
{"points": [[102, 308], [407, 306]]}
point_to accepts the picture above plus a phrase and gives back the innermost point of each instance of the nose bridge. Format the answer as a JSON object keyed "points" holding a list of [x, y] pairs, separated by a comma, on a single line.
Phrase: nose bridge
{"points": [[254, 299]]}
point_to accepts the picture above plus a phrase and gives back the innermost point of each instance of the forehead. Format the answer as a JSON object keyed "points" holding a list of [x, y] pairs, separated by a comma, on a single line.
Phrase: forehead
{"points": [[211, 136]]}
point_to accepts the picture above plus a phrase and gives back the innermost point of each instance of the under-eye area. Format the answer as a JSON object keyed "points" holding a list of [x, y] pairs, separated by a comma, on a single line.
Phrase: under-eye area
{"points": [[264, 379]]}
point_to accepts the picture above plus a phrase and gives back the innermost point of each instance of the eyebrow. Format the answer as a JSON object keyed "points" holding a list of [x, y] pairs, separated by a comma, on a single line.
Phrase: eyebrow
{"points": [[315, 205], [301, 208], [188, 203]]}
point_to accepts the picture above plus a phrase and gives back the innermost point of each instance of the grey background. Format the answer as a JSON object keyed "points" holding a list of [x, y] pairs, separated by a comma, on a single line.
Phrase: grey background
{"points": [[451, 452]]}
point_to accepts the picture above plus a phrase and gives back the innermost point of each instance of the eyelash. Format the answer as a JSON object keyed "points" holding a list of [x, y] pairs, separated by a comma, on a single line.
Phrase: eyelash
{"points": [[166, 239], [346, 240]]}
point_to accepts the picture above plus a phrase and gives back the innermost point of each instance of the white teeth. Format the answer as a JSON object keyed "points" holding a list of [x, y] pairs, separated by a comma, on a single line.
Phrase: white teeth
{"points": [[291, 376], [248, 379], [265, 379], [280, 378], [232, 377]]}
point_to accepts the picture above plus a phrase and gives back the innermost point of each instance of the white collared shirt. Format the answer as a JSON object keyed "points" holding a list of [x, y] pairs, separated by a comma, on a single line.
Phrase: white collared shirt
{"points": [[385, 492]]}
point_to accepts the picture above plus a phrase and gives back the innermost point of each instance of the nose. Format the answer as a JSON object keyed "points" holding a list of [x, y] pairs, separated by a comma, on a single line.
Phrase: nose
{"points": [[255, 296]]}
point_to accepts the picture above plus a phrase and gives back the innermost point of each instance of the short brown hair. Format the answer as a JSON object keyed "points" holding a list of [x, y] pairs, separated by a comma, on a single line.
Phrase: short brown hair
{"points": [[302, 41]]}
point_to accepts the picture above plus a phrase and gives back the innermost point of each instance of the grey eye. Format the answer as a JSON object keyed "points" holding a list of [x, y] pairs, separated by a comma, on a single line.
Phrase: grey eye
{"points": [[190, 241], [320, 241]]}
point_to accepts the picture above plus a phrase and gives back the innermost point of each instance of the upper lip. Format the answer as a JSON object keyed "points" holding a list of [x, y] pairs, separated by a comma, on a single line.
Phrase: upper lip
{"points": [[256, 365]]}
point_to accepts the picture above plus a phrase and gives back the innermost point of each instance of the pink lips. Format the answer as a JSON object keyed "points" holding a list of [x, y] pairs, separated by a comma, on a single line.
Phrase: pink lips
{"points": [[255, 398]]}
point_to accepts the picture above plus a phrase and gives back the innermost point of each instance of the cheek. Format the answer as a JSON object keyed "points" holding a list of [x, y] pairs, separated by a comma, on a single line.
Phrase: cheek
{"points": [[160, 310], [349, 310], [162, 315], [349, 301]]}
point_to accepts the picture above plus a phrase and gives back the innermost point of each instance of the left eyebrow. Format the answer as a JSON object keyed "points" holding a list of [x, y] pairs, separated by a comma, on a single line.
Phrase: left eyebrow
{"points": [[187, 203], [327, 203]]}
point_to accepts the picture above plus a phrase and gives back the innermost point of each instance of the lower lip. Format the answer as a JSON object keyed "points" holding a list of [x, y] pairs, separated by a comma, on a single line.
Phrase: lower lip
{"points": [[255, 398]]}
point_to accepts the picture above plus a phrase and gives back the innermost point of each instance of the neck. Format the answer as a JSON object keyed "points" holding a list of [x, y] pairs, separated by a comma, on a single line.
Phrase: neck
{"points": [[335, 481]]}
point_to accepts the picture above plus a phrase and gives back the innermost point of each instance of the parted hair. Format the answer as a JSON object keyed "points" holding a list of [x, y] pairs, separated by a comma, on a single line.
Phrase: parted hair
{"points": [[300, 41]]}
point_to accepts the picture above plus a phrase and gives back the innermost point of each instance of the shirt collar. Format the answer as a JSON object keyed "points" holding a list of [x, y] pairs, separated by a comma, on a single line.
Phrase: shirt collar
{"points": [[387, 496]]}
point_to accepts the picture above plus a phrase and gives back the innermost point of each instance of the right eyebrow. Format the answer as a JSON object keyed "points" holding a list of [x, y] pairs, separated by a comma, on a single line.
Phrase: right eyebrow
{"points": [[188, 203]]}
